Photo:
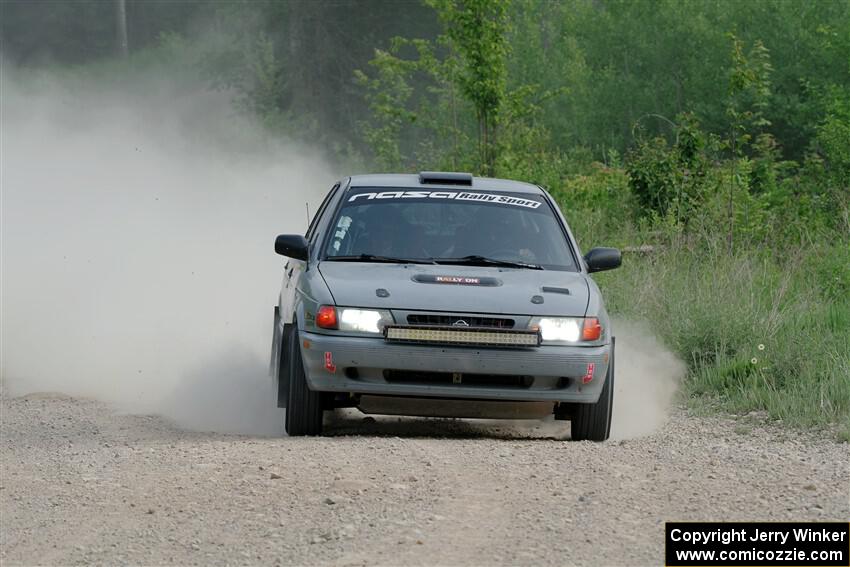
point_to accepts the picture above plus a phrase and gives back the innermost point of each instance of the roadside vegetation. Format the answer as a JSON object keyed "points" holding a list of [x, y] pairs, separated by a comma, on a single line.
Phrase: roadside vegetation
{"points": [[745, 265], [710, 140]]}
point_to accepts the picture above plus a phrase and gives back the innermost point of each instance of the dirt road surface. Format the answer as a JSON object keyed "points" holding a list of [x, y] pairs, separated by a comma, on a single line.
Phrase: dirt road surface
{"points": [[83, 484]]}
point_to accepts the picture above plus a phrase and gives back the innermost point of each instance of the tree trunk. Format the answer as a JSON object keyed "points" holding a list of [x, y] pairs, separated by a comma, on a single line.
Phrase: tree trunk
{"points": [[121, 25], [732, 183]]}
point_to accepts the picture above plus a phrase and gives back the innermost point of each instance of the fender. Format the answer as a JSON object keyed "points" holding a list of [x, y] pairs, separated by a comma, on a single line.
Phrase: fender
{"points": [[278, 363], [275, 349], [283, 366], [285, 322]]}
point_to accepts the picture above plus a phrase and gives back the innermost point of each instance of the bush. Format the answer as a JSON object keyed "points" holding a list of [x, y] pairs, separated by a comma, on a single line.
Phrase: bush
{"points": [[754, 331], [598, 206]]}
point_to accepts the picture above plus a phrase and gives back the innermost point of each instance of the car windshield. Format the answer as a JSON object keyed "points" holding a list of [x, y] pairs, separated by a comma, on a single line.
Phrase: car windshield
{"points": [[496, 228]]}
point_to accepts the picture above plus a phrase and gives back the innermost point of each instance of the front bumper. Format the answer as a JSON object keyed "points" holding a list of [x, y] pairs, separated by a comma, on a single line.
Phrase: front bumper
{"points": [[357, 365]]}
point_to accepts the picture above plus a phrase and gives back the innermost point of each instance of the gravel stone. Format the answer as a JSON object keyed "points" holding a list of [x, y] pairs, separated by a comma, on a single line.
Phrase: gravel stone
{"points": [[389, 491]]}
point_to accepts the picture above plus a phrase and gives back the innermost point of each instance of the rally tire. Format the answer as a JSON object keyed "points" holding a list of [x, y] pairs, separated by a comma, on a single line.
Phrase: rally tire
{"points": [[592, 422], [303, 406]]}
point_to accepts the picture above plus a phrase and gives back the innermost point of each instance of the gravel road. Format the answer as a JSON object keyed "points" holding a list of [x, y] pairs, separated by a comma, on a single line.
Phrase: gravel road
{"points": [[83, 484]]}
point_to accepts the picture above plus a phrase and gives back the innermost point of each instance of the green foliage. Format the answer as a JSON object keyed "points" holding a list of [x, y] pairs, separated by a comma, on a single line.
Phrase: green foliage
{"points": [[654, 175], [754, 331], [829, 269], [599, 206], [671, 179], [747, 99], [833, 139], [462, 96], [614, 61], [749, 90], [388, 96], [475, 33]]}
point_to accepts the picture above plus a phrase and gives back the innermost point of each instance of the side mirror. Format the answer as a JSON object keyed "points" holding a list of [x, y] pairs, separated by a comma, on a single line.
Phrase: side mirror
{"points": [[291, 245], [600, 259]]}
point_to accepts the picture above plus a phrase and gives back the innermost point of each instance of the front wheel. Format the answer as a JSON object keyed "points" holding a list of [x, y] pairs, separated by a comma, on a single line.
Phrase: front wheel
{"points": [[303, 406], [592, 422]]}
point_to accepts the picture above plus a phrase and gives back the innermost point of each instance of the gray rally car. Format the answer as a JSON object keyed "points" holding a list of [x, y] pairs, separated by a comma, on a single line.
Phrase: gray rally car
{"points": [[442, 294]]}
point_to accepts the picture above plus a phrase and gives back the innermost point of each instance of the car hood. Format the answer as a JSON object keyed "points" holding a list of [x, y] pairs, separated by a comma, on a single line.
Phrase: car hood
{"points": [[456, 288]]}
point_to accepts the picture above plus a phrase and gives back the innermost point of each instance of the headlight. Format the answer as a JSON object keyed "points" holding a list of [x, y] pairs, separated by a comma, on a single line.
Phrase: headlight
{"points": [[364, 320], [567, 329], [352, 319]]}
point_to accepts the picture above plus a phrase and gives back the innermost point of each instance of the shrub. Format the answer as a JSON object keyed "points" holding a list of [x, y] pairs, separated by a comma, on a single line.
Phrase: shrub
{"points": [[754, 331]]}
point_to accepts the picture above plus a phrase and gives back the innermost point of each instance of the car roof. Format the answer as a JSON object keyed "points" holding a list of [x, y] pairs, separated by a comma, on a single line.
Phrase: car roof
{"points": [[411, 180]]}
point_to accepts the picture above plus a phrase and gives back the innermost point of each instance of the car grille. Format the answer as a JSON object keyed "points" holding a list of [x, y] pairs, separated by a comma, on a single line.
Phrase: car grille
{"points": [[453, 320], [421, 377]]}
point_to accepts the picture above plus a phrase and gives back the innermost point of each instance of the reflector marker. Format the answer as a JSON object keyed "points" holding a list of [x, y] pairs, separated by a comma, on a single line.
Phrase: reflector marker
{"points": [[329, 363], [586, 379]]}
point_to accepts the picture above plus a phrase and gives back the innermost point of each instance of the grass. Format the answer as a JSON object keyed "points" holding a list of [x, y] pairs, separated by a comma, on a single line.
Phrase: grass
{"points": [[758, 331], [766, 328]]}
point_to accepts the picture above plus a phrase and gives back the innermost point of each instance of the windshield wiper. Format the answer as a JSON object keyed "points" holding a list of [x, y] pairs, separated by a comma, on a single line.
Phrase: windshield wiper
{"points": [[381, 259], [476, 260]]}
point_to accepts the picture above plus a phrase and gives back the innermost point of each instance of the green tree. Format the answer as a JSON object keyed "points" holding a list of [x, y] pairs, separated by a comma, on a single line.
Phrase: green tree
{"points": [[431, 98], [748, 97], [475, 34]]}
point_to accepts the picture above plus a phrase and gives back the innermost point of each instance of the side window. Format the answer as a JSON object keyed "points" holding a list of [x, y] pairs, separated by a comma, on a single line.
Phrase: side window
{"points": [[311, 230], [340, 235]]}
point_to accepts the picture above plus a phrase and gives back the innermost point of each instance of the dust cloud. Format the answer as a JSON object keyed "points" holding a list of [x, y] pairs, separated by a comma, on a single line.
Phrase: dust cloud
{"points": [[137, 260], [647, 377]]}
